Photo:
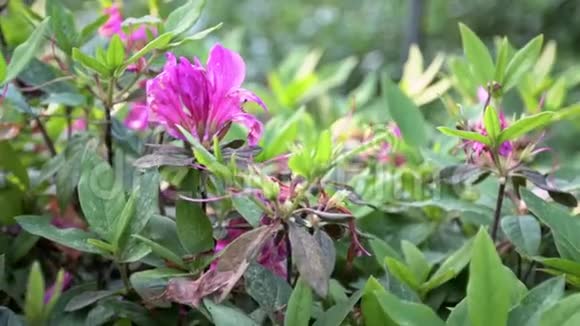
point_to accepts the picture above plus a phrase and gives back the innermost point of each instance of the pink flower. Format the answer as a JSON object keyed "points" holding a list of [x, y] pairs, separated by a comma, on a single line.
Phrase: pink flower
{"points": [[66, 282], [113, 25], [203, 101], [137, 118], [135, 40], [79, 125], [482, 94], [478, 148]]}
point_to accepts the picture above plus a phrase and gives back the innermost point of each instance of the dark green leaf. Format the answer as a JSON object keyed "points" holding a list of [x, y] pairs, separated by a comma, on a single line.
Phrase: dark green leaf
{"points": [[249, 210], [300, 305], [9, 318], [193, 227], [405, 113], [538, 300], [87, 298], [564, 226], [565, 312], [524, 232], [227, 316], [270, 291], [459, 173], [101, 196], [11, 164], [336, 314], [41, 226], [161, 251], [151, 284]]}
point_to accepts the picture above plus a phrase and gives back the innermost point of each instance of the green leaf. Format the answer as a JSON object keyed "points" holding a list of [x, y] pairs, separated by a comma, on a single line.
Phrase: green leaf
{"points": [[492, 124], [193, 227], [402, 272], [381, 250], [249, 210], [9, 318], [115, 52], [195, 37], [478, 55], [407, 313], [451, 267], [62, 25], [2, 68], [488, 289], [157, 43], [336, 314], [71, 237], [502, 60], [270, 291], [184, 17], [459, 315], [10, 163], [323, 149], [405, 113], [565, 227], [87, 298], [101, 196], [564, 313], [469, 135], [563, 265], [123, 221], [151, 284], [56, 292], [415, 260], [91, 28], [26, 51], [524, 232], [90, 62], [300, 305], [161, 250], [522, 62], [34, 304], [525, 125], [227, 316], [538, 300], [372, 311]]}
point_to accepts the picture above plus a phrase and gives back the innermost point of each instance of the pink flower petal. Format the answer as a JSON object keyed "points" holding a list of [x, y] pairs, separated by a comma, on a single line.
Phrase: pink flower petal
{"points": [[226, 69]]}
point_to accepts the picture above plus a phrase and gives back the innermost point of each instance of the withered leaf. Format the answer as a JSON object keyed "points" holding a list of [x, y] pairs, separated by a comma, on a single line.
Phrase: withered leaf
{"points": [[232, 264], [157, 160], [459, 173], [328, 251], [310, 259], [541, 181]]}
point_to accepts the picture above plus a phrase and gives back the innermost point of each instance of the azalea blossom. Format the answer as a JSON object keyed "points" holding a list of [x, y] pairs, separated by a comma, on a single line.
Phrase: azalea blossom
{"points": [[137, 118], [478, 148], [205, 101], [113, 26], [66, 282]]}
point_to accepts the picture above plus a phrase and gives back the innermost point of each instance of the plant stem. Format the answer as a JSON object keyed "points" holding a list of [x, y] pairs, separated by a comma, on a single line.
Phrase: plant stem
{"points": [[497, 213], [108, 121], [124, 277], [45, 137]]}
